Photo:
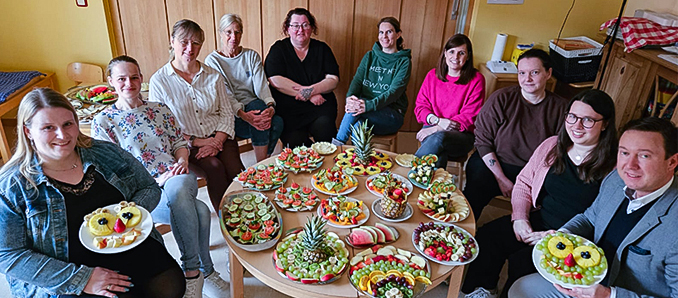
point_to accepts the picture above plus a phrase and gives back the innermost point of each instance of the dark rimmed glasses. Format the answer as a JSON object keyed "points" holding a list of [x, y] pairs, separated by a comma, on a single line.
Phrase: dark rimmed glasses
{"points": [[586, 122]]}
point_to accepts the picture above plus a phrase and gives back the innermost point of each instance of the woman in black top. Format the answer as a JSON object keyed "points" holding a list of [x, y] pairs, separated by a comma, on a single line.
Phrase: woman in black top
{"points": [[561, 180], [303, 73]]}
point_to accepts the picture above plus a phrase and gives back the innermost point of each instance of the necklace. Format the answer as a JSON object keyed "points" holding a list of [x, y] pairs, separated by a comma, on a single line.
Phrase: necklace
{"points": [[579, 157], [73, 166]]}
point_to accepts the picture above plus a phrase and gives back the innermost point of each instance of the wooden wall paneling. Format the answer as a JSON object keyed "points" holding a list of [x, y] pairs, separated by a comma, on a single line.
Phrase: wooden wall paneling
{"points": [[365, 32], [250, 12], [421, 23], [335, 27], [114, 27], [144, 25], [273, 14], [200, 12]]}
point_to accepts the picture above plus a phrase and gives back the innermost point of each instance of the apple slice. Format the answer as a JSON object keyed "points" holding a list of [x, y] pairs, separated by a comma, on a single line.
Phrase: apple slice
{"points": [[419, 261]]}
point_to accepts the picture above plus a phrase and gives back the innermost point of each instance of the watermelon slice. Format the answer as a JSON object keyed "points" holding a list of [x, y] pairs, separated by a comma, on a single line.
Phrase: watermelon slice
{"points": [[381, 238], [372, 232], [361, 237], [389, 234]]}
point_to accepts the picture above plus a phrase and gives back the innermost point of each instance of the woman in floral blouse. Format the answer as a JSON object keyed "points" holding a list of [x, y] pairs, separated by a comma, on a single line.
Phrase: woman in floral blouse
{"points": [[149, 131]]}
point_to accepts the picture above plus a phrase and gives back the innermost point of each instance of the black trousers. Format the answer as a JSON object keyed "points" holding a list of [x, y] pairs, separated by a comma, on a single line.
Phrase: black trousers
{"points": [[497, 244], [481, 186]]}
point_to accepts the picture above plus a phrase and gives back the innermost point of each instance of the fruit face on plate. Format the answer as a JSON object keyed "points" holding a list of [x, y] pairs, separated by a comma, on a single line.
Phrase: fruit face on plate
{"points": [[570, 260], [379, 270], [110, 230]]}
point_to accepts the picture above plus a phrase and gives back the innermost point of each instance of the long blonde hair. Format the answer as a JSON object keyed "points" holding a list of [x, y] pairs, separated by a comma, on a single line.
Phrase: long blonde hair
{"points": [[33, 102]]}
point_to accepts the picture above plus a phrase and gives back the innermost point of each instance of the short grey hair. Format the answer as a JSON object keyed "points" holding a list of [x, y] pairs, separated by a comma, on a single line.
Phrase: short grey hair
{"points": [[229, 19]]}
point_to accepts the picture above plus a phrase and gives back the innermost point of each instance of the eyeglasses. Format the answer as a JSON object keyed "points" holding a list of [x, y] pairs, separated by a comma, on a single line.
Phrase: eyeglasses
{"points": [[585, 121], [296, 27]]}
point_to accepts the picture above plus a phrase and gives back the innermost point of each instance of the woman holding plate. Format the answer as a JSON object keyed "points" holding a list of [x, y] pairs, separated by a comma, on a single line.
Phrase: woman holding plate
{"points": [[560, 180], [148, 131], [56, 177]]}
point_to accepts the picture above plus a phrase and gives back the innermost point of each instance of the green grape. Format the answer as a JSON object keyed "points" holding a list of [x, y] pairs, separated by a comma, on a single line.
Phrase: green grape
{"points": [[559, 234], [539, 246], [570, 280], [577, 281], [547, 254], [559, 277], [603, 265], [554, 259], [578, 269], [566, 268]]}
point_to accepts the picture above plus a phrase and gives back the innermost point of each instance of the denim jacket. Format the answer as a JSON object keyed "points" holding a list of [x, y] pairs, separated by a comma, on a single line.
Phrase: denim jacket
{"points": [[34, 237]]}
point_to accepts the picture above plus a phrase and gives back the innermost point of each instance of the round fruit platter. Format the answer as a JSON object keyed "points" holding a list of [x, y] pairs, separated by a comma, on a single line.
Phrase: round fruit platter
{"points": [[296, 198], [389, 272], [97, 94], [343, 212], [367, 236], [324, 148], [376, 208], [250, 221], [405, 160], [445, 243], [299, 159], [334, 181], [442, 203], [376, 184], [262, 177], [376, 162], [311, 255], [111, 229], [569, 260]]}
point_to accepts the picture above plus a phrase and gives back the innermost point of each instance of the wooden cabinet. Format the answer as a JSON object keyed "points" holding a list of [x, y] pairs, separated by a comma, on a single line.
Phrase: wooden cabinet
{"points": [[631, 80], [141, 29]]}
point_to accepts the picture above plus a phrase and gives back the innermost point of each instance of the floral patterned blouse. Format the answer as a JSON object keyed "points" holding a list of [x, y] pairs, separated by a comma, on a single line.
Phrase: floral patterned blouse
{"points": [[149, 132]]}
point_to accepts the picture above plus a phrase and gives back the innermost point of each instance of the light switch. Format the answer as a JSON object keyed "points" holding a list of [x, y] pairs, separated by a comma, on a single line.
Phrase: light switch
{"points": [[81, 3]]}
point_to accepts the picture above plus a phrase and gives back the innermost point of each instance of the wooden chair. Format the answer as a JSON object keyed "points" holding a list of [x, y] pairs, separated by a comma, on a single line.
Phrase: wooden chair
{"points": [[459, 164], [81, 72], [387, 142]]}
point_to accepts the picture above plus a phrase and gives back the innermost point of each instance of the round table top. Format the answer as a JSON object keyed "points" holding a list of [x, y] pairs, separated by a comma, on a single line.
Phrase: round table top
{"points": [[260, 264]]}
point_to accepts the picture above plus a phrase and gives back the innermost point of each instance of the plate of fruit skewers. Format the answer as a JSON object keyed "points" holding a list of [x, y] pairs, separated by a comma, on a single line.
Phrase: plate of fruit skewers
{"points": [[569, 260]]}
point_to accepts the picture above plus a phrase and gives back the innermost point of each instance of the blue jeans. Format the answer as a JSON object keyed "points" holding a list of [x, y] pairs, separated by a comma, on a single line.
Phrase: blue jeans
{"points": [[189, 219], [267, 137], [386, 121], [446, 144]]}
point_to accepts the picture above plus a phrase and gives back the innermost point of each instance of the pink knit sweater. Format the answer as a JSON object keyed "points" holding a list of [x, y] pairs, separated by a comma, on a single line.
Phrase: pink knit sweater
{"points": [[448, 100], [530, 180]]}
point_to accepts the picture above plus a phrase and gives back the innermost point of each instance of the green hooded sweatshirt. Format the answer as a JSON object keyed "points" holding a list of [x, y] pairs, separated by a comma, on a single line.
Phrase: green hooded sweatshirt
{"points": [[381, 79]]}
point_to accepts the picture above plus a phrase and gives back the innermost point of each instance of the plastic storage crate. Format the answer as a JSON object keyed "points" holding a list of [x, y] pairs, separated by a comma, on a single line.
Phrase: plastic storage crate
{"points": [[576, 65]]}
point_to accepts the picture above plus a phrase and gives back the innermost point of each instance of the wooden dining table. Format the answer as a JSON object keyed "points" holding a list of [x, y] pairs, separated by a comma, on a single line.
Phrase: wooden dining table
{"points": [[260, 264]]}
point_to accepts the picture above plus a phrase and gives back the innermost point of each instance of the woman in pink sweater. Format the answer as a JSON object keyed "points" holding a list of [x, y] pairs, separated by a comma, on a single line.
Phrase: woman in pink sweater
{"points": [[560, 180], [449, 101]]}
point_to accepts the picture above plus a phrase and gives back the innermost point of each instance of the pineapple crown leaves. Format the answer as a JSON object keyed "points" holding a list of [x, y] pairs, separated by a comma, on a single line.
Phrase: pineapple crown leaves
{"points": [[361, 137], [315, 226]]}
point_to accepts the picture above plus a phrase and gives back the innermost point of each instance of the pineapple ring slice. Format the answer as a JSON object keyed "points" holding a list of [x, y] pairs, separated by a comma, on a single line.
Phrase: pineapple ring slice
{"points": [[560, 247], [586, 256]]}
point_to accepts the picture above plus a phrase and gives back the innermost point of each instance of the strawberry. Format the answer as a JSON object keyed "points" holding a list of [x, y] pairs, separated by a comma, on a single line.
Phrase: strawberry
{"points": [[119, 226], [569, 261]]}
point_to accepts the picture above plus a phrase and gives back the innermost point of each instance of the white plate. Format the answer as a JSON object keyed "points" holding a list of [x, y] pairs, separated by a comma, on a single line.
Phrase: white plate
{"points": [[449, 263], [376, 208], [345, 192], [402, 179], [366, 211], [324, 148], [401, 160], [536, 256], [145, 227], [421, 208]]}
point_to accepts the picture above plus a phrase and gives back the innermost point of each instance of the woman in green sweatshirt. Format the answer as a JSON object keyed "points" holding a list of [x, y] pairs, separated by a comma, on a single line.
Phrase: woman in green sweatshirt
{"points": [[377, 91]]}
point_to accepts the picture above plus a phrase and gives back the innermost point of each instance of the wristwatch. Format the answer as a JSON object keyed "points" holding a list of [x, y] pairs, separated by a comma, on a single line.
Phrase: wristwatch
{"points": [[190, 141], [434, 120]]}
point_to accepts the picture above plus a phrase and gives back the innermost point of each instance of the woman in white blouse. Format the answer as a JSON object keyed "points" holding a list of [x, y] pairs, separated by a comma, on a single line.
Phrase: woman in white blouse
{"points": [[196, 94], [244, 73]]}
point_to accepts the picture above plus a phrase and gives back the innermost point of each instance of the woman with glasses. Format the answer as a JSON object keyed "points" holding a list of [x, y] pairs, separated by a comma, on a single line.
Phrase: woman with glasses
{"points": [[303, 73], [254, 107], [560, 180], [377, 91]]}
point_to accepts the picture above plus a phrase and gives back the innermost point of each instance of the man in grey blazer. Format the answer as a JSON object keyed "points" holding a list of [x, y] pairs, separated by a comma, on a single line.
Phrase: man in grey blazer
{"points": [[634, 219]]}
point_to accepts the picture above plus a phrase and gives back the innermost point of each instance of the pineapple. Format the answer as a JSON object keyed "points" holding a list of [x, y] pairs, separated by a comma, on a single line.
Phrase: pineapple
{"points": [[361, 137], [560, 247], [586, 256], [394, 202], [315, 250]]}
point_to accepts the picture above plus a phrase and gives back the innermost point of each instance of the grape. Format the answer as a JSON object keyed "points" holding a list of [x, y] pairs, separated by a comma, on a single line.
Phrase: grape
{"points": [[539, 246], [577, 281], [566, 268]]}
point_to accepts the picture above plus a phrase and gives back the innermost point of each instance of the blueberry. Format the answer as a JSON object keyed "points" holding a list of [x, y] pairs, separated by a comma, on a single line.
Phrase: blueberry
{"points": [[585, 255], [127, 215], [560, 246], [102, 221]]}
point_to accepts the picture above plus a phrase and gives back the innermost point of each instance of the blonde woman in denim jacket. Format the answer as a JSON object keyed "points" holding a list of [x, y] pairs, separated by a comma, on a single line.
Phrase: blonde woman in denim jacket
{"points": [[56, 176]]}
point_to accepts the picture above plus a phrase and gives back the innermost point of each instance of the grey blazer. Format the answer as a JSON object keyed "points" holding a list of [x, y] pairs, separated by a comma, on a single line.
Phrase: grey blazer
{"points": [[646, 262]]}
